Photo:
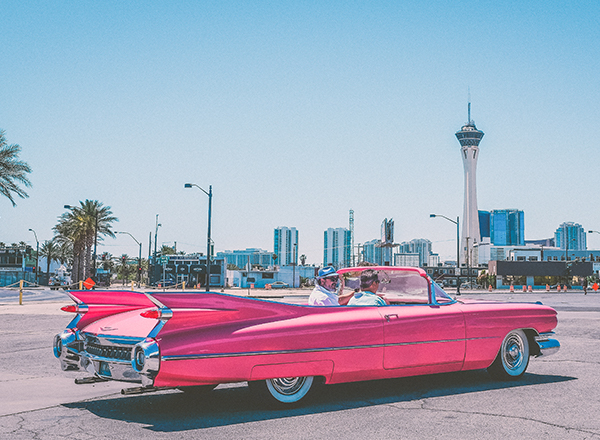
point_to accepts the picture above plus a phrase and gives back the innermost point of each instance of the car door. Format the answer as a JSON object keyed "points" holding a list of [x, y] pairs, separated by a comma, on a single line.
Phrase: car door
{"points": [[423, 335]]}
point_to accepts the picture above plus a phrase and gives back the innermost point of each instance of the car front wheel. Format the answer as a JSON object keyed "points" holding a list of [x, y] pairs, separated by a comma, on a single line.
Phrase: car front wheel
{"points": [[285, 390], [513, 357]]}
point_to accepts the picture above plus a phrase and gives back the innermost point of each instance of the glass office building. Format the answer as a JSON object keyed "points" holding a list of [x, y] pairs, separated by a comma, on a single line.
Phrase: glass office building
{"points": [[570, 236], [507, 227]]}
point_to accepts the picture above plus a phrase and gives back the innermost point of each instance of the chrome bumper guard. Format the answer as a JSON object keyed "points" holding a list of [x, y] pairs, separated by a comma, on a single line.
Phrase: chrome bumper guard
{"points": [[67, 349], [547, 345]]}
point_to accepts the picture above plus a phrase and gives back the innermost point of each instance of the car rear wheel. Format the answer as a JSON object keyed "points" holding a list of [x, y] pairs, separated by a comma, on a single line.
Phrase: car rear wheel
{"points": [[513, 357], [285, 390]]}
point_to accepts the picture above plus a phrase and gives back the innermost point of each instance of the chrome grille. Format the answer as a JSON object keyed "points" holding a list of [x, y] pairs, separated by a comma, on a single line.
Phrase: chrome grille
{"points": [[108, 351]]}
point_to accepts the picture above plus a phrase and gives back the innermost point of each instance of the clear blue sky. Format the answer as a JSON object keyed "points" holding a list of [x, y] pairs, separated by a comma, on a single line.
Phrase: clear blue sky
{"points": [[297, 112]]}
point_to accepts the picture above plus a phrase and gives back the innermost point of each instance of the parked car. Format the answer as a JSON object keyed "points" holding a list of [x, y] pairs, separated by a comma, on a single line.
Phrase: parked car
{"points": [[194, 341], [280, 285], [471, 285]]}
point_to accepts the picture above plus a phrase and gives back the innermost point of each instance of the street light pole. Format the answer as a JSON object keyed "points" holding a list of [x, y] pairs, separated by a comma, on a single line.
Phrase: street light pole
{"points": [[294, 267], [208, 240], [37, 258], [139, 268], [457, 223]]}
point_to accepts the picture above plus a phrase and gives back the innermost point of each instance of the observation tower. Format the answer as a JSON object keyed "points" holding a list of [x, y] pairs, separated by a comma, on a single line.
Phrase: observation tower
{"points": [[469, 138]]}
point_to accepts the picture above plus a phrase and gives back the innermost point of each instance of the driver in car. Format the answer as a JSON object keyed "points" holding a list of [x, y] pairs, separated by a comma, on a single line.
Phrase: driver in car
{"points": [[367, 296], [325, 292]]}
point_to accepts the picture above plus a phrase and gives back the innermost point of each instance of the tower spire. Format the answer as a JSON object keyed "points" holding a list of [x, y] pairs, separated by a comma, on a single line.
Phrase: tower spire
{"points": [[469, 138], [469, 106]]}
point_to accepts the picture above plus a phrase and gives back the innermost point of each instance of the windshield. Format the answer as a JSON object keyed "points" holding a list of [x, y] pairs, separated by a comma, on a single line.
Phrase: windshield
{"points": [[396, 286]]}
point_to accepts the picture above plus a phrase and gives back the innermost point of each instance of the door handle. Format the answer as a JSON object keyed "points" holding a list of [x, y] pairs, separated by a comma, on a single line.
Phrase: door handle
{"points": [[387, 317]]}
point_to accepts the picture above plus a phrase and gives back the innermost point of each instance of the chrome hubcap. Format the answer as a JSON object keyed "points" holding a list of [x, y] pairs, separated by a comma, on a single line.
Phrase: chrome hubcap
{"points": [[513, 355], [288, 385]]}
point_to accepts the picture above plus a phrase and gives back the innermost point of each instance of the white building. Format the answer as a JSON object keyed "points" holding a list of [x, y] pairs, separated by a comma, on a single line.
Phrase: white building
{"points": [[406, 260]]}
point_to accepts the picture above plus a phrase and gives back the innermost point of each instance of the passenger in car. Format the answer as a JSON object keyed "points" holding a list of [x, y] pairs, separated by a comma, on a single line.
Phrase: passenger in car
{"points": [[326, 292], [367, 296]]}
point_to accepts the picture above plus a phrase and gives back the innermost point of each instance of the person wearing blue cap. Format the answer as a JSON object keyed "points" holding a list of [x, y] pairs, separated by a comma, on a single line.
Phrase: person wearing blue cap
{"points": [[325, 292]]}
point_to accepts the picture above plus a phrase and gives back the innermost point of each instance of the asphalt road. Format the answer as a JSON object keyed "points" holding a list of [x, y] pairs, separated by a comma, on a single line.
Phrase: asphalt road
{"points": [[556, 399]]}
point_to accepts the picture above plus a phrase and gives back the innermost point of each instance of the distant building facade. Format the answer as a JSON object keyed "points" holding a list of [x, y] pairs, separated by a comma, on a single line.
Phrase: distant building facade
{"points": [[337, 250], [175, 269], [250, 256], [407, 260], [570, 236], [16, 264], [285, 246], [418, 246]]}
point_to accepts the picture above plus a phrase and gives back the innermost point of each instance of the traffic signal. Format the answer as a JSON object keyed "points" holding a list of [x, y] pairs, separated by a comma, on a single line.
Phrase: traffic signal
{"points": [[124, 259]]}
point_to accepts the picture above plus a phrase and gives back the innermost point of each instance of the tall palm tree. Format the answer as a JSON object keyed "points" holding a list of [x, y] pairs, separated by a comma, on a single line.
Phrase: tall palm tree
{"points": [[50, 249], [82, 226], [124, 269], [12, 171]]}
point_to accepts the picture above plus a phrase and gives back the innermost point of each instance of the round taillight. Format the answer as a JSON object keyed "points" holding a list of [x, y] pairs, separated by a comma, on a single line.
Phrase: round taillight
{"points": [[70, 309]]}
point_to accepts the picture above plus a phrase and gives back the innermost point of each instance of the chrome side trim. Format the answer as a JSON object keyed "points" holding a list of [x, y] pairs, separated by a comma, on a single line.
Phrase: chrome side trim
{"points": [[185, 357]]}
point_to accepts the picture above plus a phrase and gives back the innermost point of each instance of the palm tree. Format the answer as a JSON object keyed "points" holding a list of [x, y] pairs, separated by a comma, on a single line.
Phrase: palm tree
{"points": [[12, 171], [167, 250], [50, 249], [82, 226], [124, 269]]}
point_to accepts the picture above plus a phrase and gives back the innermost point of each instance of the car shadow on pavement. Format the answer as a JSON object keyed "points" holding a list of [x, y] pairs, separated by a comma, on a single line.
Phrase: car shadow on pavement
{"points": [[172, 411]]}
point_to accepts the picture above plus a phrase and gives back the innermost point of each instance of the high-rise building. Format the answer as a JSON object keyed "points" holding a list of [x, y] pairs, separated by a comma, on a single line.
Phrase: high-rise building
{"points": [[507, 227], [387, 242], [337, 248], [371, 252], [571, 237], [418, 246], [285, 246], [469, 138]]}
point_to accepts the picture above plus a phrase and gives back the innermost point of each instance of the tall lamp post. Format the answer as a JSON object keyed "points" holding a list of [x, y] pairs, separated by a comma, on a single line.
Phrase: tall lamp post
{"points": [[294, 267], [37, 258], [592, 232], [208, 240], [139, 268], [457, 223]]}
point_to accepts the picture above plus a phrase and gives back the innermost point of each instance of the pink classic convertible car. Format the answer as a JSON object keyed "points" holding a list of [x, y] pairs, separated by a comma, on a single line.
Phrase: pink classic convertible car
{"points": [[194, 341]]}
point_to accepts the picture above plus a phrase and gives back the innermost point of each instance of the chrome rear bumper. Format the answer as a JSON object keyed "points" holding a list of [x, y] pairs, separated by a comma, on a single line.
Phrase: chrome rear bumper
{"points": [[117, 358]]}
